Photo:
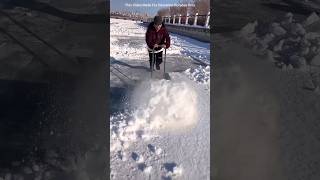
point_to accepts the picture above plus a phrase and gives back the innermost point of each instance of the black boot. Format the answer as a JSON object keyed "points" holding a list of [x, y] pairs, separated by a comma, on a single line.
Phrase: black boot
{"points": [[158, 66]]}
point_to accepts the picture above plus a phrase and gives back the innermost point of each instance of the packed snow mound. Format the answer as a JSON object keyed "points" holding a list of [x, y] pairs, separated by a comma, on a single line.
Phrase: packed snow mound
{"points": [[200, 74], [165, 105]]}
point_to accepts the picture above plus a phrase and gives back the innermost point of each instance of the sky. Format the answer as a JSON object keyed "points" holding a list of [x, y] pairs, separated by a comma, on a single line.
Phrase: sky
{"points": [[124, 5]]}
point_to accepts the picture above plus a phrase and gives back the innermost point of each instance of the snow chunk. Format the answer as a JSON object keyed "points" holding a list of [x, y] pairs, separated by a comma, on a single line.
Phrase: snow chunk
{"points": [[177, 171], [316, 60], [312, 35], [297, 29], [311, 19], [158, 151], [249, 28], [148, 170], [200, 74], [277, 29]]}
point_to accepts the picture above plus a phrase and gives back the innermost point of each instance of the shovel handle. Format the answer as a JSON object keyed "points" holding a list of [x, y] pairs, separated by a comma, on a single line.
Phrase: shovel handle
{"points": [[164, 63], [152, 61]]}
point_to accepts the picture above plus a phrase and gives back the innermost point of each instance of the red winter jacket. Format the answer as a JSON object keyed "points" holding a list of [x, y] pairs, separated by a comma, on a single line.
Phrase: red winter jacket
{"points": [[161, 37]]}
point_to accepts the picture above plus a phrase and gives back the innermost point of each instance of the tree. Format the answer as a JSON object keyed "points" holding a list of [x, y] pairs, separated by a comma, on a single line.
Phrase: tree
{"points": [[164, 12], [202, 7]]}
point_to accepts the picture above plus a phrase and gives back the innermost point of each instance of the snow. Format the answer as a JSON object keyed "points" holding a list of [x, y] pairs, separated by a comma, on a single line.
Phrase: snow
{"points": [[288, 43], [316, 60], [161, 128], [192, 48], [311, 19], [200, 75], [166, 104], [148, 170]]}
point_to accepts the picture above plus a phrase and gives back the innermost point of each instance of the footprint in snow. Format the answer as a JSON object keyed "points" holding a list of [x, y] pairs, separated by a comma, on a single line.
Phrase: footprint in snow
{"points": [[141, 166], [139, 133], [154, 149], [169, 166], [151, 148], [121, 155], [171, 170], [135, 156]]}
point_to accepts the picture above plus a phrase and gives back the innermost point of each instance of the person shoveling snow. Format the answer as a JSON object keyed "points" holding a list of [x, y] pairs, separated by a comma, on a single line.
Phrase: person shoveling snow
{"points": [[157, 39]]}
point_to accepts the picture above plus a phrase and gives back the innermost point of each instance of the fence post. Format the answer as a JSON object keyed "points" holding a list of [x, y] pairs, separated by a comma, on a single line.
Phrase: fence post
{"points": [[179, 19], [174, 19], [195, 19], [207, 20], [169, 19], [187, 18]]}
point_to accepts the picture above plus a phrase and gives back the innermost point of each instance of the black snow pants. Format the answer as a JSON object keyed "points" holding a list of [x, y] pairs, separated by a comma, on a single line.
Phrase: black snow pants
{"points": [[158, 58]]}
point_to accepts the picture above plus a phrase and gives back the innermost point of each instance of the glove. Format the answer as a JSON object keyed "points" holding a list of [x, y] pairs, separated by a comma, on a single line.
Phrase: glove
{"points": [[163, 46]]}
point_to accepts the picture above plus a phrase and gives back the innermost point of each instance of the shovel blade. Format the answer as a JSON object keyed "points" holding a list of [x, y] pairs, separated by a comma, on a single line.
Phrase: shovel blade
{"points": [[166, 76]]}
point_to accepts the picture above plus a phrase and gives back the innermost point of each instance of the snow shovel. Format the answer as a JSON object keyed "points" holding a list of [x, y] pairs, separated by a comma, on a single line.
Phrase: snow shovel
{"points": [[165, 75], [152, 61]]}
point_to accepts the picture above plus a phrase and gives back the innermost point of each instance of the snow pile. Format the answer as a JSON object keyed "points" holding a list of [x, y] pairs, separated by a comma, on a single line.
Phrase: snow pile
{"points": [[166, 104], [286, 42], [159, 105], [200, 74]]}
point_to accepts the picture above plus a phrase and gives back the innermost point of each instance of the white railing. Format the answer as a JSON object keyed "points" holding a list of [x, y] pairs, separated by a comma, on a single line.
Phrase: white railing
{"points": [[172, 20]]}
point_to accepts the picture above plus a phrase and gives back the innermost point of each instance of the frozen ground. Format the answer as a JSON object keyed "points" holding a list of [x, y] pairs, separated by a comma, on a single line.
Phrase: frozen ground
{"points": [[159, 128]]}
